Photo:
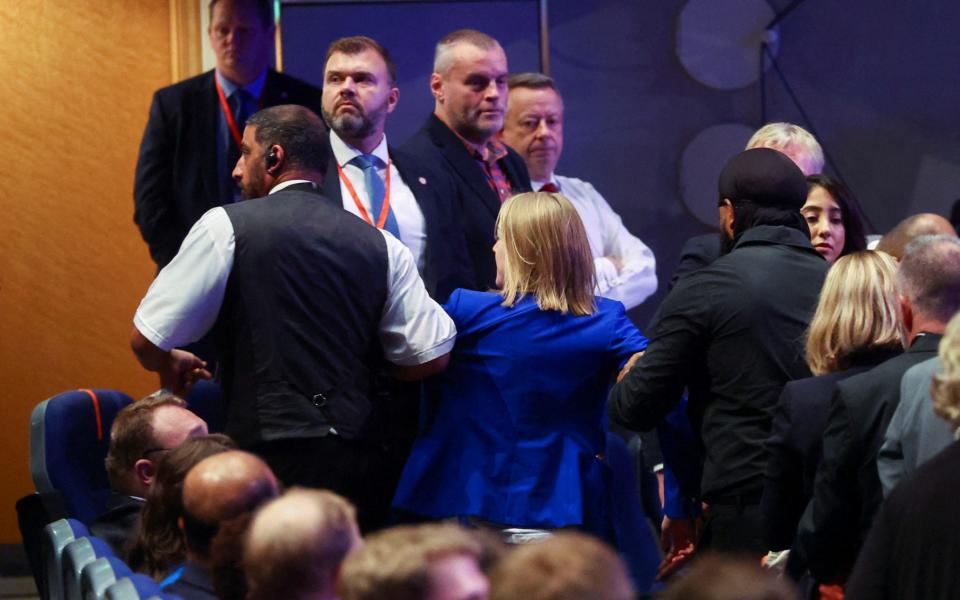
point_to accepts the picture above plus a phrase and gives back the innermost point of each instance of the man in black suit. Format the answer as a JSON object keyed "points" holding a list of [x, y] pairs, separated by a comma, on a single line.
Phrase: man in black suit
{"points": [[847, 489], [192, 138], [359, 92], [469, 85]]}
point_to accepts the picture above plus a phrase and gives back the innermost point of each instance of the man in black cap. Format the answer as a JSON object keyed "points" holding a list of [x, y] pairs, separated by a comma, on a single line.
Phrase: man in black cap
{"points": [[732, 334]]}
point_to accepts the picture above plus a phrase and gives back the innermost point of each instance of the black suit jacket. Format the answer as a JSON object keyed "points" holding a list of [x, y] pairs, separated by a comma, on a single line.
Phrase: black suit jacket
{"points": [[177, 176], [847, 489], [447, 264], [794, 448], [477, 204], [119, 524]]}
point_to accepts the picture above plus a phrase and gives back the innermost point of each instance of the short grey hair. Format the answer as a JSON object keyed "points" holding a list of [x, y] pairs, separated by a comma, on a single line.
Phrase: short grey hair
{"points": [[789, 137], [929, 276], [532, 81], [443, 56]]}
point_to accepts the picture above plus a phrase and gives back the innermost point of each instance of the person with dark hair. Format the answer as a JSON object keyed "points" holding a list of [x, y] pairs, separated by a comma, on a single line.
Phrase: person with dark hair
{"points": [[731, 333], [835, 226], [847, 491], [625, 267], [309, 303], [140, 435], [469, 87], [359, 92], [220, 488], [192, 138], [159, 545]]}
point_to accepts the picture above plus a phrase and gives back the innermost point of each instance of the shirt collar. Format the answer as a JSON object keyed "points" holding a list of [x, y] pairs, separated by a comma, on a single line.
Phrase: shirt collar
{"points": [[536, 184], [286, 184], [494, 148], [254, 88], [344, 152]]}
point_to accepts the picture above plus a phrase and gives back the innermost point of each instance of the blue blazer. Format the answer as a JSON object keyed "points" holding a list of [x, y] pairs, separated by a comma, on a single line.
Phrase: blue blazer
{"points": [[517, 433]]}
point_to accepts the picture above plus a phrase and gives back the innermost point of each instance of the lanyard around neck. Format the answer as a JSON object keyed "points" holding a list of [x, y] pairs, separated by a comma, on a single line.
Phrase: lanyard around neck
{"points": [[384, 210], [225, 107]]}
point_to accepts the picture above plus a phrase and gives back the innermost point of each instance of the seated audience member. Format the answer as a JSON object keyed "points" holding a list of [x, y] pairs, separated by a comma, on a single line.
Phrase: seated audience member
{"points": [[895, 241], [219, 488], [835, 227], [912, 548], [915, 434], [565, 566], [159, 546], [533, 126], [296, 545], [856, 326], [422, 562], [522, 400], [721, 578], [141, 433], [847, 490], [731, 333]]}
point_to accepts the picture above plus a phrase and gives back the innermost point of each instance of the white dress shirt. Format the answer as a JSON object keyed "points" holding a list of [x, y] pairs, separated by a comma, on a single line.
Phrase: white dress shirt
{"points": [[410, 221], [608, 237], [184, 300]]}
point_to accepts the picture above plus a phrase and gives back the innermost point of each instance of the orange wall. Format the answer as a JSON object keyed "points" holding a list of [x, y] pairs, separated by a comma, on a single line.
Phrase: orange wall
{"points": [[76, 80]]}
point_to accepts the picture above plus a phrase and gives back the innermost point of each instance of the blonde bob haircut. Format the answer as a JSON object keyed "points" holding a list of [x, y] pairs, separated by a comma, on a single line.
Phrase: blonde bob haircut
{"points": [[945, 388], [858, 311], [546, 253]]}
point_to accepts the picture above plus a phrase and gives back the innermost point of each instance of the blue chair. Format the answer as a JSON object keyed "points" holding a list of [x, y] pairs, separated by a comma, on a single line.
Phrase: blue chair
{"points": [[97, 576], [77, 555], [205, 400], [56, 537], [137, 587], [69, 438]]}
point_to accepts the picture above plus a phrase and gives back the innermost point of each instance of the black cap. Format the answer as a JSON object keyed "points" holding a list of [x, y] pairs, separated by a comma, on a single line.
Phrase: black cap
{"points": [[764, 177]]}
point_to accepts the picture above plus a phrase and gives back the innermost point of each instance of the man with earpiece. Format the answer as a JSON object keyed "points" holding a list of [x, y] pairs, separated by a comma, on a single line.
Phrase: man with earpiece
{"points": [[308, 304]]}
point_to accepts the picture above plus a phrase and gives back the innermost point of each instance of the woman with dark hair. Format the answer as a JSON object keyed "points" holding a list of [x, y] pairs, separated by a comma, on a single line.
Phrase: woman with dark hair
{"points": [[159, 546], [518, 433], [835, 226]]}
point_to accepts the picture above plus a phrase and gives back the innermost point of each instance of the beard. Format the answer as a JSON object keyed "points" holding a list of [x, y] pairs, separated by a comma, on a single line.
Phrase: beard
{"points": [[354, 125], [726, 242], [254, 186]]}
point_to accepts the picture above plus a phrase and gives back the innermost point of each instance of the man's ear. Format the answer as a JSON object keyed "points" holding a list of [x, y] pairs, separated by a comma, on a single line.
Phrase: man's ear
{"points": [[145, 471], [274, 160], [906, 313], [436, 86], [727, 217], [392, 99]]}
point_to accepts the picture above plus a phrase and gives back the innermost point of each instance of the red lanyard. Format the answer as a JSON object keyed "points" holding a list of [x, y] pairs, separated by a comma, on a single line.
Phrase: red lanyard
{"points": [[384, 210], [234, 131]]}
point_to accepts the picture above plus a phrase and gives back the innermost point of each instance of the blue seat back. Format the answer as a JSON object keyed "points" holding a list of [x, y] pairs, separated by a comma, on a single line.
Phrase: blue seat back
{"points": [[76, 556], [100, 574], [137, 587], [56, 537], [205, 400], [69, 438]]}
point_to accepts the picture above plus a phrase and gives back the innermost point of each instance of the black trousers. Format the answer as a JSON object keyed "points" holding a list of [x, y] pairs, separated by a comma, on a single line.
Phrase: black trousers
{"points": [[734, 528], [359, 471]]}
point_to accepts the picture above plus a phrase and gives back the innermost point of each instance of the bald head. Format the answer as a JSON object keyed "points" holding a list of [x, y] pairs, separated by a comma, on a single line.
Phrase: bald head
{"points": [[226, 485], [296, 544], [897, 239]]}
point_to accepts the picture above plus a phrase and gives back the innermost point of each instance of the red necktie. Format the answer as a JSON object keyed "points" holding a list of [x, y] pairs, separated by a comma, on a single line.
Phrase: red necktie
{"points": [[549, 187]]}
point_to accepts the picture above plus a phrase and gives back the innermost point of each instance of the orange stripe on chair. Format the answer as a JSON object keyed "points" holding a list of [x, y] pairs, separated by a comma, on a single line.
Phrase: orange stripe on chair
{"points": [[96, 410]]}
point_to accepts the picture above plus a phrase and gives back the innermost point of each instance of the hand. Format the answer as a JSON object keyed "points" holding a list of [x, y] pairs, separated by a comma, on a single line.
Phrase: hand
{"points": [[678, 539], [626, 368], [181, 370], [617, 263]]}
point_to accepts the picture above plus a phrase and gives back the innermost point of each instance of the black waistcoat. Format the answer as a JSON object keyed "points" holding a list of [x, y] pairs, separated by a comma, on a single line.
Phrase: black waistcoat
{"points": [[299, 324]]}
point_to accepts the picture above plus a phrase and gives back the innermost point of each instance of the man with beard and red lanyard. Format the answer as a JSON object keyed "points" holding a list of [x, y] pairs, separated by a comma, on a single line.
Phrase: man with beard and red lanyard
{"points": [[387, 188], [469, 86], [625, 267], [192, 139], [731, 334], [308, 304]]}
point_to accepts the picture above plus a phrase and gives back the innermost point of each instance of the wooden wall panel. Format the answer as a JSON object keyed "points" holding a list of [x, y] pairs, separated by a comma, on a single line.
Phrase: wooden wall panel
{"points": [[75, 86]]}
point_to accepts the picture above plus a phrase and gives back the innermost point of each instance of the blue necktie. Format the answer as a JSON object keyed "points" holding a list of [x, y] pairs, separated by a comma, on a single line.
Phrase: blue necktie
{"points": [[375, 189]]}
